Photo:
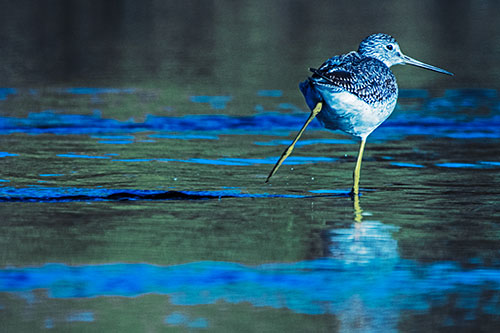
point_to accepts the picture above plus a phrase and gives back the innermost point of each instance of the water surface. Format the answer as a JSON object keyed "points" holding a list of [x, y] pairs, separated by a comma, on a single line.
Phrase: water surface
{"points": [[170, 214], [135, 140]]}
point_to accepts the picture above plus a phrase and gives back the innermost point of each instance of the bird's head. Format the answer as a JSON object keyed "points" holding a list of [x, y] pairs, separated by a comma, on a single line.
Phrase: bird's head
{"points": [[385, 48]]}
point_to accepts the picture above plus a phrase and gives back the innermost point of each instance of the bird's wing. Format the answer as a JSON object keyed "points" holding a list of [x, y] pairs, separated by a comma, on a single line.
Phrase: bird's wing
{"points": [[367, 78]]}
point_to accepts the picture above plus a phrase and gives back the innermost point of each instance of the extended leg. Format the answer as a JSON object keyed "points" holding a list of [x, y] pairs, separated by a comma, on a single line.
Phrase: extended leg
{"points": [[289, 150], [357, 170]]}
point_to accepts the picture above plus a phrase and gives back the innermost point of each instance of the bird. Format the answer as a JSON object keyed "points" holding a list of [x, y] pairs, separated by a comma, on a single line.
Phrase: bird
{"points": [[355, 92]]}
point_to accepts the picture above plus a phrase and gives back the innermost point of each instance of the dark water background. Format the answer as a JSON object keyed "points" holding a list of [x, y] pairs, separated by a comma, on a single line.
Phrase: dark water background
{"points": [[135, 138]]}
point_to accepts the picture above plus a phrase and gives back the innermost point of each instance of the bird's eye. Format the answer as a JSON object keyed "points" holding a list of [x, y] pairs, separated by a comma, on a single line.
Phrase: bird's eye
{"points": [[389, 47]]}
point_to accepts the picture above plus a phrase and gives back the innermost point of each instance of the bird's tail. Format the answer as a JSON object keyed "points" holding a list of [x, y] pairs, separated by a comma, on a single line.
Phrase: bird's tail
{"points": [[311, 96]]}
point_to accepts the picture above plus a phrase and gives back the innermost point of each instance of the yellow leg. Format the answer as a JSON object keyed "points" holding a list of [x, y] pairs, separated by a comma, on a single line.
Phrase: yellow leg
{"points": [[289, 150], [357, 169]]}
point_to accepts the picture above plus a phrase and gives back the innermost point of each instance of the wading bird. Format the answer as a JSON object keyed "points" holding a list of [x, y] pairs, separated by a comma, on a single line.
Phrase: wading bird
{"points": [[355, 92]]}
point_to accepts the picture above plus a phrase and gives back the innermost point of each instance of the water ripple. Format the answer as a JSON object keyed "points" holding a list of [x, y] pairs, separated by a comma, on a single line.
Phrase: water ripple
{"points": [[396, 127], [70, 194], [317, 286]]}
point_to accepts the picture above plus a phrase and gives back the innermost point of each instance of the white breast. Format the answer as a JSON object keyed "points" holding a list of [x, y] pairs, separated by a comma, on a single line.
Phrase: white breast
{"points": [[346, 112]]}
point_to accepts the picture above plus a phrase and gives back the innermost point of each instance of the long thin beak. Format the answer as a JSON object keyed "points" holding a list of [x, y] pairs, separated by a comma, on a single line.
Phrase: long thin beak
{"points": [[411, 61]]}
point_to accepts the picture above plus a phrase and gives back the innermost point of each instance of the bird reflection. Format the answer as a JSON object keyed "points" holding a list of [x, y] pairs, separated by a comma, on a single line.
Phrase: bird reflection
{"points": [[358, 212], [365, 240]]}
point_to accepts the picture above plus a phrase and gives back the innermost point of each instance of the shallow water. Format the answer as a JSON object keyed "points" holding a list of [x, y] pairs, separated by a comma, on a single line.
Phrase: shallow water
{"points": [[164, 220], [135, 139]]}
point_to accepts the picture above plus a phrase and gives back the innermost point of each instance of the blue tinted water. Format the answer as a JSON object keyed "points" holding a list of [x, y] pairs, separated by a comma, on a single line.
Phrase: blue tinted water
{"points": [[57, 194], [365, 264], [432, 170], [438, 117]]}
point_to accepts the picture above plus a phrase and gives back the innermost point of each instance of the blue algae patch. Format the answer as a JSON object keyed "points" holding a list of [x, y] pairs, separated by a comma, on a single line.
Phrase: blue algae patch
{"points": [[39, 193], [406, 165], [337, 192], [184, 136], [4, 181], [134, 160], [179, 319], [492, 163], [259, 108], [305, 287], [397, 128], [292, 160], [460, 165], [51, 174], [116, 142], [302, 160], [270, 93], [223, 161], [5, 154], [113, 137], [437, 117], [176, 318], [4, 92], [305, 142], [81, 316], [82, 156], [473, 135], [216, 102], [96, 91], [478, 165], [52, 122]]}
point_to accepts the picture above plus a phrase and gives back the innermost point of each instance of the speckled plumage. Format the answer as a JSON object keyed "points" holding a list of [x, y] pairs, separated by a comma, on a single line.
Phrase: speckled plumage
{"points": [[367, 78], [355, 92], [361, 73], [358, 89]]}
